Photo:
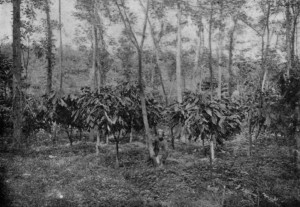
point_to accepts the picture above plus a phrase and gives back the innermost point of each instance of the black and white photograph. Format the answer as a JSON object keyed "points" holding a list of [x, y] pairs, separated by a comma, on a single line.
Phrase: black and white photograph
{"points": [[149, 103]]}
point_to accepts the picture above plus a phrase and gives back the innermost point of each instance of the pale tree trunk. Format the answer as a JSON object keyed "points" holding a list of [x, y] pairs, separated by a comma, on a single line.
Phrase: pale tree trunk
{"points": [[93, 74], [61, 50], [178, 67], [288, 38], [143, 105], [294, 33], [178, 56], [94, 77], [249, 133], [101, 75], [49, 48], [210, 52], [212, 139], [296, 40], [220, 51], [265, 63], [16, 72], [231, 48], [201, 59], [212, 147], [94, 83], [197, 57]]}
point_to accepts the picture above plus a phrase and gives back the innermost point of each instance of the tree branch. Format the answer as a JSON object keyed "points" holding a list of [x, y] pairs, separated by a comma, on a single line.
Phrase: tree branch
{"points": [[127, 25]]}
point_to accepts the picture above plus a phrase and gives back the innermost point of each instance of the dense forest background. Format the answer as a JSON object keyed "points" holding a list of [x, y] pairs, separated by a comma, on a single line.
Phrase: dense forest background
{"points": [[171, 102]]}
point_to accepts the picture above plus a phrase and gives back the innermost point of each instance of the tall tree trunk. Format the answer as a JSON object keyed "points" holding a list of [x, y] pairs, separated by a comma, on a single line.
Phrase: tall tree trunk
{"points": [[296, 41], [293, 36], [61, 50], [49, 48], [288, 38], [201, 59], [231, 48], [101, 74], [210, 51], [93, 74], [139, 48], [178, 56], [220, 51], [17, 71], [141, 87], [178, 66], [265, 62], [143, 105], [197, 57]]}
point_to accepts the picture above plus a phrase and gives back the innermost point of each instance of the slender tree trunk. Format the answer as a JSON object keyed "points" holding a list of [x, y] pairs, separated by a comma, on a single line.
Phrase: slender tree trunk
{"points": [[250, 134], [178, 56], [101, 74], [231, 48], [93, 74], [96, 129], [143, 105], [294, 37], [296, 41], [210, 52], [179, 73], [94, 77], [220, 51], [288, 38], [212, 147], [201, 59], [131, 132], [197, 57], [139, 48], [266, 52], [16, 72], [49, 48], [61, 50]]}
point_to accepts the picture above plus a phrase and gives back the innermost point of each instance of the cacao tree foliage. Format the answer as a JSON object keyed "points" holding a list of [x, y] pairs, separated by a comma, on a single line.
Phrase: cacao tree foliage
{"points": [[116, 108], [5, 93], [202, 117]]}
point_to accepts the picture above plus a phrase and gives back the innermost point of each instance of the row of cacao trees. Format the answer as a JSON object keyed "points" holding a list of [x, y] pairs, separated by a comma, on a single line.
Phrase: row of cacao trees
{"points": [[116, 112]]}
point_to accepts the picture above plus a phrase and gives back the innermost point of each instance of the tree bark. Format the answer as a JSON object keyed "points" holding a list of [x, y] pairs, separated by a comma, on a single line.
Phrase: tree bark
{"points": [[249, 134], [61, 50], [49, 48], [220, 51], [93, 74], [212, 148], [210, 52], [231, 48], [266, 52], [17, 71], [178, 56], [293, 33], [197, 57], [288, 38]]}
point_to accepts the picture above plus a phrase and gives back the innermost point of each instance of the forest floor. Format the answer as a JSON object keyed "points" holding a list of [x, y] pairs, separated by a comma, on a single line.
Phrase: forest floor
{"points": [[75, 176]]}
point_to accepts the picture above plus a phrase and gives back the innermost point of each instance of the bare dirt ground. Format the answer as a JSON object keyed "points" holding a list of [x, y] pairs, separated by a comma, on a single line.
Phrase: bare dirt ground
{"points": [[75, 176]]}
